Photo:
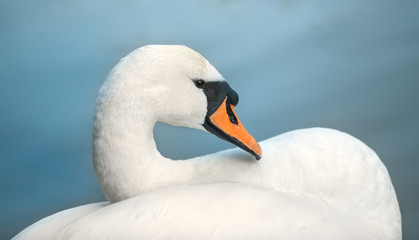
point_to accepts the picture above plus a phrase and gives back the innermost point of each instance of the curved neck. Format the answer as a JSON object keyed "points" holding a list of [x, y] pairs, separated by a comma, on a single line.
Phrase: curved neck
{"points": [[125, 156]]}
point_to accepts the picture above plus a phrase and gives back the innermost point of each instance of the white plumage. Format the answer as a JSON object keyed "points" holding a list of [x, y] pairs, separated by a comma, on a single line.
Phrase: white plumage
{"points": [[310, 184]]}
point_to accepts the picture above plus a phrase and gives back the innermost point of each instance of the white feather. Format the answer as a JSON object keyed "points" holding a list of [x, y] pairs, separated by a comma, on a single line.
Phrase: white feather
{"points": [[310, 184]]}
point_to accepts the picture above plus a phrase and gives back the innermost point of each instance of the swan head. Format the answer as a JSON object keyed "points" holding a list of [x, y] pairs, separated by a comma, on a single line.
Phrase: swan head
{"points": [[176, 85]]}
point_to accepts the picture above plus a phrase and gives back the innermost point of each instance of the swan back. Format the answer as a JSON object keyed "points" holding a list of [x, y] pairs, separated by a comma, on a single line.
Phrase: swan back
{"points": [[219, 211]]}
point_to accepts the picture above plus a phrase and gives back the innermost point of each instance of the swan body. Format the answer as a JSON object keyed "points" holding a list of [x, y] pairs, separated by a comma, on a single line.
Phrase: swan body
{"points": [[216, 211], [310, 184]]}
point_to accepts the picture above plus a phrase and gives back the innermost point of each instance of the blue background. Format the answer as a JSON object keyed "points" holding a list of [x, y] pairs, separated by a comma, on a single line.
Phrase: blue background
{"points": [[352, 65]]}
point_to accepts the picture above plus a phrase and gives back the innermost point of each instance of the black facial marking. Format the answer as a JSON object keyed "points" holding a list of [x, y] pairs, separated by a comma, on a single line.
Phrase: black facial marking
{"points": [[233, 97], [216, 92]]}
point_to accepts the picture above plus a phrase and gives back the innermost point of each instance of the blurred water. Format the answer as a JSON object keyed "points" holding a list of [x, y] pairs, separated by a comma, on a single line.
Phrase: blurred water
{"points": [[350, 65]]}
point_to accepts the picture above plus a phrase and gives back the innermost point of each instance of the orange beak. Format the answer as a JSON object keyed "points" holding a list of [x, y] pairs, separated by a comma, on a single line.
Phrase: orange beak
{"points": [[225, 124]]}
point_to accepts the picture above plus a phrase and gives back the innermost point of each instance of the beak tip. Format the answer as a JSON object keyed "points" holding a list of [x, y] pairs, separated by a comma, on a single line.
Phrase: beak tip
{"points": [[258, 152]]}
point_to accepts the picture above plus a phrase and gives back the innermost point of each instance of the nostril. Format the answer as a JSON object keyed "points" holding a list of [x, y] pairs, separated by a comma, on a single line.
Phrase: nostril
{"points": [[233, 120], [231, 115]]}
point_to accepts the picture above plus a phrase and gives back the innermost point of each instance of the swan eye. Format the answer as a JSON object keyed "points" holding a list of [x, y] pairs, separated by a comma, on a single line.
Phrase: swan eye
{"points": [[199, 83]]}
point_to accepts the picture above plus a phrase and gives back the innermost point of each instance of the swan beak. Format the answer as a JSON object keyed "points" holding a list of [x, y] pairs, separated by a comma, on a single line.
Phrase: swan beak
{"points": [[225, 124]]}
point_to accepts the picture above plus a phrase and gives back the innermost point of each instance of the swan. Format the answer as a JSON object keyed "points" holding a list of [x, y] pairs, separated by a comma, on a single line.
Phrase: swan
{"points": [[314, 183]]}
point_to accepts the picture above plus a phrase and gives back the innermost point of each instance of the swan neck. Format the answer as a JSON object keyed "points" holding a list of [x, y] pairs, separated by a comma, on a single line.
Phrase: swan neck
{"points": [[125, 156]]}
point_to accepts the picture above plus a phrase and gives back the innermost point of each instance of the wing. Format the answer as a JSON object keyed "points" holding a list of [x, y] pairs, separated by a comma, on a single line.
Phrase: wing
{"points": [[218, 211], [47, 227]]}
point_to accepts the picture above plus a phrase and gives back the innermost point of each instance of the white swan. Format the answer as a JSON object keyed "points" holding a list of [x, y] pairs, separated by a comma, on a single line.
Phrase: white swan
{"points": [[310, 184]]}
